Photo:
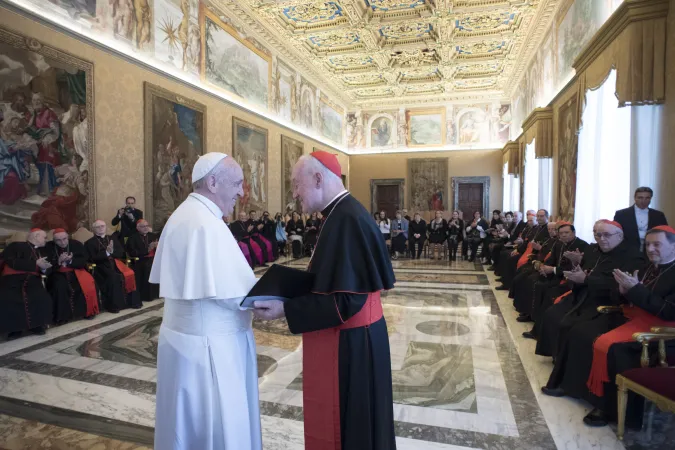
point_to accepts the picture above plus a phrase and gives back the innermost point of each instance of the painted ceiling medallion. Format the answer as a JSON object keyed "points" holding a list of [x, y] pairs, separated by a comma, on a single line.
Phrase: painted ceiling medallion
{"points": [[475, 83], [482, 49], [420, 75], [334, 41], [424, 89], [478, 70], [406, 31], [414, 58], [349, 63], [313, 12], [393, 5], [374, 92]]}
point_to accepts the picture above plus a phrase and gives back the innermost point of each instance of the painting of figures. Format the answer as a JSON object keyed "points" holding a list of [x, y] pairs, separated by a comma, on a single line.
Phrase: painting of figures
{"points": [[177, 36], [175, 137], [307, 99], [250, 150], [426, 128], [382, 132], [503, 126], [232, 63], [331, 122], [291, 151], [285, 100], [46, 137], [473, 126], [428, 181], [567, 158]]}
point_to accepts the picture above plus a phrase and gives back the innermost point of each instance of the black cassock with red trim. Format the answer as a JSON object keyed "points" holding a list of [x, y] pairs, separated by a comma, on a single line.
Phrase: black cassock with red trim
{"points": [[347, 384]]}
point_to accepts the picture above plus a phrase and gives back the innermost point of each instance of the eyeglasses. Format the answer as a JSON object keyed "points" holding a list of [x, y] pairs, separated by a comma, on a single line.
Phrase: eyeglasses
{"points": [[604, 235]]}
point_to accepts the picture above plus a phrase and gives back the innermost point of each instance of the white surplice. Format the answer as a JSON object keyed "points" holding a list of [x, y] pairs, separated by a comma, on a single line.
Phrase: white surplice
{"points": [[207, 375]]}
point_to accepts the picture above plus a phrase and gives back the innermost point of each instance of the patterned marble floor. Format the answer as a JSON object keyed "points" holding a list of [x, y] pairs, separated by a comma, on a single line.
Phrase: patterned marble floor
{"points": [[459, 380]]}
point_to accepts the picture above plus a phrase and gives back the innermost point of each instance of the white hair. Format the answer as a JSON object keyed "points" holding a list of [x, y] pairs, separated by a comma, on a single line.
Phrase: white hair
{"points": [[312, 165]]}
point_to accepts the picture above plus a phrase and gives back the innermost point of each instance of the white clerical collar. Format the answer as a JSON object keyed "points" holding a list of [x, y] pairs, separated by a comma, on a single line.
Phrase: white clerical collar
{"points": [[335, 198], [215, 209], [638, 209]]}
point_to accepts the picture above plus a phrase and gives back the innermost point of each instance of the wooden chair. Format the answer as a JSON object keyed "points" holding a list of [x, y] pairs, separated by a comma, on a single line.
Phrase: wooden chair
{"points": [[656, 384]]}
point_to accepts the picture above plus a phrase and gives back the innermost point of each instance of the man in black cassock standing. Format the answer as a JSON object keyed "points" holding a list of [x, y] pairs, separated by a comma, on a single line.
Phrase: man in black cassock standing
{"points": [[142, 246], [348, 401]]}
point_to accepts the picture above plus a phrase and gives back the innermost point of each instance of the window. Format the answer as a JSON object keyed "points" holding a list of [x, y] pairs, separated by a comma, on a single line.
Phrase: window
{"points": [[545, 193], [506, 197], [531, 190]]}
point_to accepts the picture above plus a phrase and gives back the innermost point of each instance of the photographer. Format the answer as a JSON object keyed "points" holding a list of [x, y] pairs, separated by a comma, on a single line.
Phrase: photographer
{"points": [[128, 216]]}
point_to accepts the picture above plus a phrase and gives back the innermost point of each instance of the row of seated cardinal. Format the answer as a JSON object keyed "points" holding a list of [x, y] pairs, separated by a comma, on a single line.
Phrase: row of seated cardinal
{"points": [[262, 240], [50, 283], [586, 300]]}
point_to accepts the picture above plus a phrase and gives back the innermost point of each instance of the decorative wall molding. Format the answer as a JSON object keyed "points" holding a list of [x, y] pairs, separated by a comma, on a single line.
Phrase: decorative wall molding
{"points": [[400, 182], [485, 181]]}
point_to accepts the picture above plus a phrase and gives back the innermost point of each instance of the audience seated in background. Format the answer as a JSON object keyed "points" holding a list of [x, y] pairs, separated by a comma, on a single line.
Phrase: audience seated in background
{"points": [[26, 305], [535, 231], [295, 229], [280, 235], [312, 227], [255, 234], [241, 231], [476, 233], [438, 233], [417, 236], [269, 232], [399, 235], [456, 234], [141, 248], [385, 225], [116, 282], [637, 219], [508, 240], [496, 225]]}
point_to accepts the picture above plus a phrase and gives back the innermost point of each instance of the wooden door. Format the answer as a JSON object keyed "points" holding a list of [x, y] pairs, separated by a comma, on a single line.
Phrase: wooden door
{"points": [[388, 199], [470, 197]]}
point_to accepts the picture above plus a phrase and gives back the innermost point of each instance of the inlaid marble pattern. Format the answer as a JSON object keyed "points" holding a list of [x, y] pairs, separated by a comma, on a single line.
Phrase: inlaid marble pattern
{"points": [[458, 378]]}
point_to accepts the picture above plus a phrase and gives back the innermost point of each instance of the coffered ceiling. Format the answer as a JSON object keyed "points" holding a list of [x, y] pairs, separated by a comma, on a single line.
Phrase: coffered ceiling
{"points": [[375, 53]]}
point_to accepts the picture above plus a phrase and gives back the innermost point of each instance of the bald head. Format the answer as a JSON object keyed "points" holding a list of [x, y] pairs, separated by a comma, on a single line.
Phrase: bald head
{"points": [[607, 236], [314, 184], [37, 238], [223, 185], [143, 227], [552, 229], [99, 228], [61, 239]]}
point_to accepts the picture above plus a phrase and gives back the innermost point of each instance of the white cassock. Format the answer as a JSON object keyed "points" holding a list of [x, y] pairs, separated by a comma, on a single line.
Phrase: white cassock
{"points": [[207, 375]]}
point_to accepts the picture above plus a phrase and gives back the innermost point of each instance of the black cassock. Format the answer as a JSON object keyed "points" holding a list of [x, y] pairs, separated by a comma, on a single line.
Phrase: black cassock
{"points": [[310, 235], [269, 232], [657, 297], [239, 230], [352, 266], [599, 289], [64, 287], [523, 282], [500, 248], [138, 246], [109, 279], [546, 289], [25, 303], [255, 236], [537, 233]]}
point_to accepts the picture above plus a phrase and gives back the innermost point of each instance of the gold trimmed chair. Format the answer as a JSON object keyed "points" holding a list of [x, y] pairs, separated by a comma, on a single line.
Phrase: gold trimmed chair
{"points": [[656, 384]]}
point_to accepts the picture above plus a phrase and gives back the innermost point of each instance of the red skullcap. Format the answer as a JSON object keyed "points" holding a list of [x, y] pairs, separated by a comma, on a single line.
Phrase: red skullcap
{"points": [[563, 224], [329, 160], [611, 222], [33, 230], [59, 230], [665, 228], [142, 221]]}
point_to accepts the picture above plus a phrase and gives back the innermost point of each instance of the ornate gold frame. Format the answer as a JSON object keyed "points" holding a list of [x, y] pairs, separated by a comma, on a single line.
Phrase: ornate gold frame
{"points": [[205, 13], [21, 42], [237, 121], [426, 112], [149, 92]]}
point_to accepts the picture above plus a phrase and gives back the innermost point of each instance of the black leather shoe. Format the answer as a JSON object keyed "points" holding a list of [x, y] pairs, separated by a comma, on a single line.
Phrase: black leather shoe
{"points": [[529, 335], [524, 318], [596, 418], [13, 335], [40, 331], [502, 288], [553, 392]]}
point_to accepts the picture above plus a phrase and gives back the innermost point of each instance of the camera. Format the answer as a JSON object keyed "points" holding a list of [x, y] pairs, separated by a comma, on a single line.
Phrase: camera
{"points": [[127, 209]]}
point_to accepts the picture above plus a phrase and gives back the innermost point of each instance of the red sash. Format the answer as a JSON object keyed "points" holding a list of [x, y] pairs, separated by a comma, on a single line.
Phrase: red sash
{"points": [[88, 288], [6, 270], [559, 299], [321, 392], [129, 277], [639, 321], [525, 258]]}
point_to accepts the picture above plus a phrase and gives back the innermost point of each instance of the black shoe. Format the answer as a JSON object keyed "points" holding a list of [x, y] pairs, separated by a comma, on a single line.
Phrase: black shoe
{"points": [[114, 311], [553, 392], [502, 288], [529, 335], [13, 335], [524, 318], [90, 317], [596, 418], [137, 306], [40, 331]]}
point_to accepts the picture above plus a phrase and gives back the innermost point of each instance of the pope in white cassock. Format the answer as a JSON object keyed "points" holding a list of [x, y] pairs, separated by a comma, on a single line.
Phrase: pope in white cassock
{"points": [[207, 376]]}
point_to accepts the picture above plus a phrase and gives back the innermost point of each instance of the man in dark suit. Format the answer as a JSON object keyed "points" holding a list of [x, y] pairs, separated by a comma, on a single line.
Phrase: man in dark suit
{"points": [[639, 218], [128, 216]]}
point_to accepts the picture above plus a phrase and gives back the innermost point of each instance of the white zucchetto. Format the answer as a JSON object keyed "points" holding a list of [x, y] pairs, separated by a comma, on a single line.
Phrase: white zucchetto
{"points": [[205, 164]]}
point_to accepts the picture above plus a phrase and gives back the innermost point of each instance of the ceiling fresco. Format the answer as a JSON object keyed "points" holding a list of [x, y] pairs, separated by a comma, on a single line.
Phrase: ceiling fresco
{"points": [[372, 52]]}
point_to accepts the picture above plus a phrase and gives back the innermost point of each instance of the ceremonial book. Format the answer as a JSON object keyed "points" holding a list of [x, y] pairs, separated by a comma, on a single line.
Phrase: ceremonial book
{"points": [[279, 283]]}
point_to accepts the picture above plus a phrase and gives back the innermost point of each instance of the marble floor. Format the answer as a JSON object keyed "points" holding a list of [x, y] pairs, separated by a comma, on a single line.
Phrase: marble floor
{"points": [[463, 378]]}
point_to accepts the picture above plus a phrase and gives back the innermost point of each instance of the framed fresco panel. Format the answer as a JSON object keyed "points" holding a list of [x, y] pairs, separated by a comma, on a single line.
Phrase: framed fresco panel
{"points": [[567, 159], [428, 184], [47, 169], [426, 127], [232, 63], [331, 121], [249, 148], [291, 151], [175, 137]]}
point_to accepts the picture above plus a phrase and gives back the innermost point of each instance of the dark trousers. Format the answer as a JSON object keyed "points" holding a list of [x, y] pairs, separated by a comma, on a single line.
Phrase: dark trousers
{"points": [[412, 241], [297, 249], [474, 243], [453, 245]]}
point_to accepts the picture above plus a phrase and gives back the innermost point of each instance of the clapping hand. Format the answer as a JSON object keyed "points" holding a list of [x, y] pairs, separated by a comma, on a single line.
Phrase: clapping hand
{"points": [[574, 257], [250, 227], [260, 227], [576, 275], [110, 247], [625, 280], [518, 241], [63, 257], [153, 245], [545, 270], [269, 310], [43, 264], [536, 246]]}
